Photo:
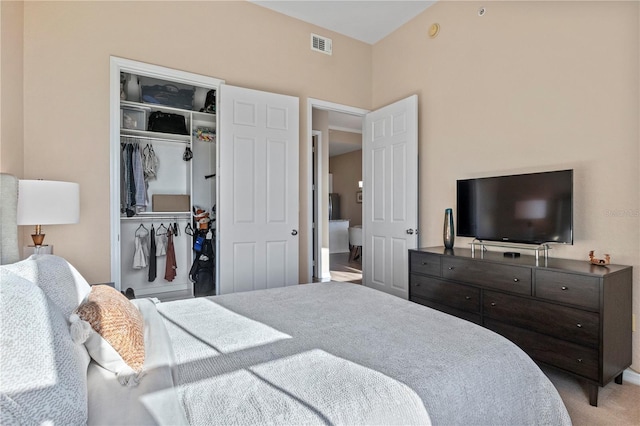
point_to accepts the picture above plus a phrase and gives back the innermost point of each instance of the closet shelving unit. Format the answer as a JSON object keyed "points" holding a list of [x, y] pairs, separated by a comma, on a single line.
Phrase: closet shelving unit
{"points": [[175, 177]]}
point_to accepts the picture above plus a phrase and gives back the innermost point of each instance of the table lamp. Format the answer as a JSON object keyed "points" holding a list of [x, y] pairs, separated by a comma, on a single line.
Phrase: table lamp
{"points": [[47, 202]]}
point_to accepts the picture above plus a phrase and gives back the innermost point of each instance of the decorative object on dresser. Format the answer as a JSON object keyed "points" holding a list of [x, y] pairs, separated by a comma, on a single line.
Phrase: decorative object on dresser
{"points": [[564, 313], [600, 262], [448, 234]]}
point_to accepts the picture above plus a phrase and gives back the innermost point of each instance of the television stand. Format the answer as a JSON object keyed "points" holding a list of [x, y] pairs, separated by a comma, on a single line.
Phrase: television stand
{"points": [[537, 249]]}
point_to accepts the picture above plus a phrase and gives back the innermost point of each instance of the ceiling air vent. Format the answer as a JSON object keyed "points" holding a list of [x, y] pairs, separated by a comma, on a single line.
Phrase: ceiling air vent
{"points": [[321, 44]]}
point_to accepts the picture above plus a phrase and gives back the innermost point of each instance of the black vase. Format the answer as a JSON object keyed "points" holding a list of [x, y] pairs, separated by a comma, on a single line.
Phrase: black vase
{"points": [[448, 234]]}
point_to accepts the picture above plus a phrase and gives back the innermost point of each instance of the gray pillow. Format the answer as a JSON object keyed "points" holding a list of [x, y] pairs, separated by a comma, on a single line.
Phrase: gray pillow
{"points": [[43, 372], [60, 281]]}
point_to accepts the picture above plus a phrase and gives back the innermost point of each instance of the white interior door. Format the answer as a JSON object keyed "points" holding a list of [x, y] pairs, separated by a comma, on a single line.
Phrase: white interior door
{"points": [[258, 186], [390, 195]]}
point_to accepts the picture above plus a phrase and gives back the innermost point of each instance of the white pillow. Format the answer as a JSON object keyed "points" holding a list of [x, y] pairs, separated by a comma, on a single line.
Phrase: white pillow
{"points": [[112, 329], [44, 373]]}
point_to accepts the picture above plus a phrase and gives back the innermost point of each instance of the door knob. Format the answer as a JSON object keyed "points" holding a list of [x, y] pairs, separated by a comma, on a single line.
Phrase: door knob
{"points": [[410, 231], [294, 232]]}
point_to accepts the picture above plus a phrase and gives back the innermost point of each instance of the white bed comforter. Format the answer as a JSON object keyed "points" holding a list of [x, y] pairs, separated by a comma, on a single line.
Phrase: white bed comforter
{"points": [[335, 353]]}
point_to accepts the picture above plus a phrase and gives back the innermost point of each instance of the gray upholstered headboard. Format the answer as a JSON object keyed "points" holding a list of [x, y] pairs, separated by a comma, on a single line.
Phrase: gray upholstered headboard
{"points": [[9, 252]]}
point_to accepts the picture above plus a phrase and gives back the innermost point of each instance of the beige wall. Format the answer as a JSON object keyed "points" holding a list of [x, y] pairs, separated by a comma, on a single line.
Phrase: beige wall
{"points": [[11, 94], [530, 86], [66, 88], [347, 171]]}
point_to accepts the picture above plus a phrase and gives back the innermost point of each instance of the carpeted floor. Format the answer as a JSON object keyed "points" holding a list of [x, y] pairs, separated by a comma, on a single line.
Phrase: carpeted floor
{"points": [[618, 405]]}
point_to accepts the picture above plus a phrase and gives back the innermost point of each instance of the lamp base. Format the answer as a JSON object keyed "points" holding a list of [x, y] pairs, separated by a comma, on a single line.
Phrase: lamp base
{"points": [[43, 249], [38, 237]]}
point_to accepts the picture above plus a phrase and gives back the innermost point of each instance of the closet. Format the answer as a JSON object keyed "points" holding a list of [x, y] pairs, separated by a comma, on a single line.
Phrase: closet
{"points": [[225, 169], [166, 169]]}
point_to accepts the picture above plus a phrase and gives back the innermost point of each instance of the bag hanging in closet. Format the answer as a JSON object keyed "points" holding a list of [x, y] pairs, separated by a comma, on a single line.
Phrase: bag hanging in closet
{"points": [[202, 272]]}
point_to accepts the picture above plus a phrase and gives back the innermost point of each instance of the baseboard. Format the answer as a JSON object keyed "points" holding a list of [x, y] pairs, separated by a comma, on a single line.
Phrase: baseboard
{"points": [[631, 377], [325, 278]]}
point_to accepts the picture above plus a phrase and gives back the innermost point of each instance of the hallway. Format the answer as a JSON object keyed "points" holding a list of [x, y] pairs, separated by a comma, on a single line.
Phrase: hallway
{"points": [[343, 270]]}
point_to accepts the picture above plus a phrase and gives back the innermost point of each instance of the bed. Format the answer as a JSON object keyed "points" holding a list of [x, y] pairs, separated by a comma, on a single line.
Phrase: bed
{"points": [[325, 353]]}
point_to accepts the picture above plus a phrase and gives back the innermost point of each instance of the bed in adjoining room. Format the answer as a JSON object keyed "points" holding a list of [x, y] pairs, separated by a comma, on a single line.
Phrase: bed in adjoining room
{"points": [[325, 353]]}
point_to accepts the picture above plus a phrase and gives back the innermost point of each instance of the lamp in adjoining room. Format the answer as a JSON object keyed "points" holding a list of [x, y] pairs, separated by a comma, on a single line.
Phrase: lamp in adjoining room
{"points": [[47, 202]]}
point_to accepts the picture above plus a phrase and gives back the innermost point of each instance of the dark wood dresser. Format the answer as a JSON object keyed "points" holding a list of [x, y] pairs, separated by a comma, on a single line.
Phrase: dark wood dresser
{"points": [[564, 313]]}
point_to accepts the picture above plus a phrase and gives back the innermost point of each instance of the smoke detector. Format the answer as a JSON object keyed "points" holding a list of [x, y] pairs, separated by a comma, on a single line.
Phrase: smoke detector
{"points": [[321, 44]]}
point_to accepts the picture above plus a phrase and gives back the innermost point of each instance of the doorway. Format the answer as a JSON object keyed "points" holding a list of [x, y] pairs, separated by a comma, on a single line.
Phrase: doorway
{"points": [[336, 168]]}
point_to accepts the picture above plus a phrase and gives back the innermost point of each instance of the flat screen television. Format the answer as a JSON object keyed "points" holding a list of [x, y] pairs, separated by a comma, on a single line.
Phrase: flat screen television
{"points": [[533, 208]]}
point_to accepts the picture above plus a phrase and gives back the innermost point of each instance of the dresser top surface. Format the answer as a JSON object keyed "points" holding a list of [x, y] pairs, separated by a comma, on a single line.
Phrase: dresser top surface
{"points": [[551, 263]]}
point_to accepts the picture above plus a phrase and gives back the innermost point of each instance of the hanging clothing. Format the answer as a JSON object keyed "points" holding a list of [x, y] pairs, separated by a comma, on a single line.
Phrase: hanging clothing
{"points": [[149, 162], [129, 183], [171, 266], [140, 184], [123, 187], [161, 244], [141, 252], [139, 257], [152, 256]]}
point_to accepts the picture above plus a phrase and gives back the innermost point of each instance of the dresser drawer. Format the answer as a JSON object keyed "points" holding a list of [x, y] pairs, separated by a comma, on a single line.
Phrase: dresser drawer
{"points": [[469, 316], [458, 296], [559, 353], [578, 290], [515, 279], [425, 263], [575, 325]]}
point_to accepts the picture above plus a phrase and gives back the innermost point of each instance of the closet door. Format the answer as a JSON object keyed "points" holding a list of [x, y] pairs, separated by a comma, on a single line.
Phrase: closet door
{"points": [[258, 183]]}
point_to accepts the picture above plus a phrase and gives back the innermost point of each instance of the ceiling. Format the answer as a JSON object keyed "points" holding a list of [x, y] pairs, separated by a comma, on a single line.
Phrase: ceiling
{"points": [[365, 20]]}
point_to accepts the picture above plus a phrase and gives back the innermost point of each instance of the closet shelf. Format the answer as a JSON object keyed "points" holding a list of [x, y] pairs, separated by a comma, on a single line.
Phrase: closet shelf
{"points": [[158, 216], [204, 116], [163, 137]]}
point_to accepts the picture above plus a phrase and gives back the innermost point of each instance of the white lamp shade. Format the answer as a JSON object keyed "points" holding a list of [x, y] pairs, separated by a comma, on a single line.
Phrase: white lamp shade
{"points": [[48, 202]]}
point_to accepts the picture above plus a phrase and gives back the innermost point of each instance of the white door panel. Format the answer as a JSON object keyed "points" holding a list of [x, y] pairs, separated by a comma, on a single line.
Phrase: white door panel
{"points": [[390, 195], [258, 151]]}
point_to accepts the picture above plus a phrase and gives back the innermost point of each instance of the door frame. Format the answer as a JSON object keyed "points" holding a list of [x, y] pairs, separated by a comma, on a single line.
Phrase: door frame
{"points": [[325, 106], [316, 243]]}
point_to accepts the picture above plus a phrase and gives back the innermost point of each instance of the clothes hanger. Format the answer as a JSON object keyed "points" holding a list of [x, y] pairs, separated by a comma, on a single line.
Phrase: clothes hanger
{"points": [[188, 229], [159, 232], [144, 228]]}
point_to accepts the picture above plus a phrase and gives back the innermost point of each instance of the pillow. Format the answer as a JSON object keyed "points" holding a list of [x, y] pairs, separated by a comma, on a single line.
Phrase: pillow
{"points": [[155, 400], [59, 280], [44, 373], [115, 338]]}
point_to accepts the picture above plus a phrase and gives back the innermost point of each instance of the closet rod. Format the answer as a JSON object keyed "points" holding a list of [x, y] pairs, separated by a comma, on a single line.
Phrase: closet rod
{"points": [[155, 139], [155, 218]]}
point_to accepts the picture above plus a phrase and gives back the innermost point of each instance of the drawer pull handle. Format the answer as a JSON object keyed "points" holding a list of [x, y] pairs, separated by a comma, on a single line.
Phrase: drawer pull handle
{"points": [[425, 263], [564, 288], [579, 325], [467, 297], [451, 268], [493, 303], [417, 284], [579, 359], [516, 280]]}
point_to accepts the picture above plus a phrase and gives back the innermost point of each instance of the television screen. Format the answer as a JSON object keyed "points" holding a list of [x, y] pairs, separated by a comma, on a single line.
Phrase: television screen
{"points": [[530, 208]]}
